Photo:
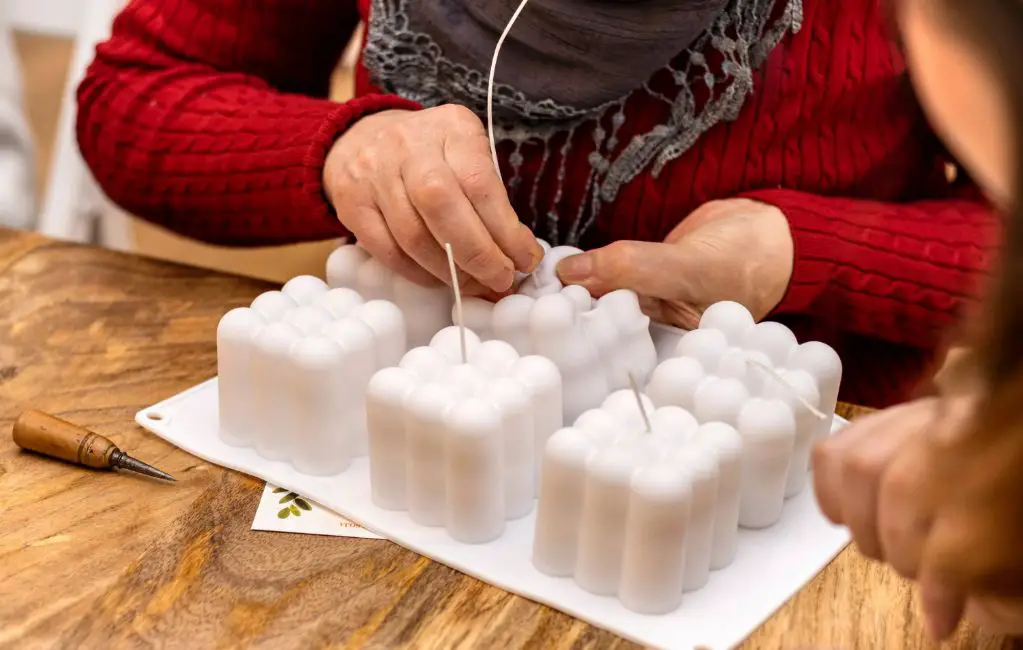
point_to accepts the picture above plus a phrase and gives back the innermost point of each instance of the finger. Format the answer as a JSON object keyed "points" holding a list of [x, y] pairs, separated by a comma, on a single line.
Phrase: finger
{"points": [[830, 457], [437, 196], [904, 516], [943, 606], [470, 160], [863, 466], [409, 230], [650, 269], [374, 236]]}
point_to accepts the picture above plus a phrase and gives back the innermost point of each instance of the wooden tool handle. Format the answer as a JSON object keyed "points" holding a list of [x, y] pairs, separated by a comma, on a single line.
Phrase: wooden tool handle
{"points": [[50, 436]]}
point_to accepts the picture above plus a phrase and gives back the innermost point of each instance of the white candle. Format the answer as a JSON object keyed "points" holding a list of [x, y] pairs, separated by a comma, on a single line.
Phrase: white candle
{"points": [[321, 443], [701, 465], [510, 322], [425, 362], [374, 281], [600, 328], [427, 310], [305, 289], [361, 350], [563, 480], [623, 406], [730, 318], [706, 346], [635, 350], [494, 358], [425, 432], [720, 400], [478, 315], [448, 342], [385, 420], [726, 443], [656, 532], [824, 364], [557, 337], [673, 426], [768, 431], [474, 466], [272, 305], [543, 381], [343, 266], [675, 381], [309, 319], [235, 348], [519, 435], [773, 339], [602, 522], [274, 399], [388, 325], [801, 387], [602, 427], [579, 296], [341, 303]]}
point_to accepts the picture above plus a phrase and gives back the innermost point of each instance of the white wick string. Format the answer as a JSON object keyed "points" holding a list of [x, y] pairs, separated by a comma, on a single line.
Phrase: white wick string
{"points": [[639, 402], [773, 374], [490, 85], [458, 301]]}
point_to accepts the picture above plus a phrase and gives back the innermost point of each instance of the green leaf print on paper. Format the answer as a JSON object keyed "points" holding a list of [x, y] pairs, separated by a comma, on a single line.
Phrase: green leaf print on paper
{"points": [[293, 504]]}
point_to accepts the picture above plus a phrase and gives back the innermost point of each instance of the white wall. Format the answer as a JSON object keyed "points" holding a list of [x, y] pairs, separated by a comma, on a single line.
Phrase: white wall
{"points": [[47, 16]]}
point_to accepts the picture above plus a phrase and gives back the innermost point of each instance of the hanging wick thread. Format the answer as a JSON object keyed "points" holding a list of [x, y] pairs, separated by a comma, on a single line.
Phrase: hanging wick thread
{"points": [[490, 85], [773, 374], [639, 402], [458, 301]]}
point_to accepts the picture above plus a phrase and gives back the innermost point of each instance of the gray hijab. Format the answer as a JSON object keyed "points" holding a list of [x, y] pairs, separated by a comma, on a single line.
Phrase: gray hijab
{"points": [[571, 63]]}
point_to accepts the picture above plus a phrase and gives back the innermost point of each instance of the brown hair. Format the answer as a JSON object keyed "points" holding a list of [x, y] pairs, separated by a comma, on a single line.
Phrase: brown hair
{"points": [[995, 29]]}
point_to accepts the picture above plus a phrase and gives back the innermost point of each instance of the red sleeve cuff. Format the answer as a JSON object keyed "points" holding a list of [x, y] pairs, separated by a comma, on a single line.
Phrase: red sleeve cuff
{"points": [[335, 124]]}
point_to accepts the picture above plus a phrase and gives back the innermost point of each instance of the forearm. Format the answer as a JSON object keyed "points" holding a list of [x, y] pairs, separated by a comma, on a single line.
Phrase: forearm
{"points": [[902, 273], [185, 128]]}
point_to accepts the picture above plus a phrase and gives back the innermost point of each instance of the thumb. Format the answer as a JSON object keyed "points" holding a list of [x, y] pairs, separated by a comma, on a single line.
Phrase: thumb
{"points": [[650, 269], [943, 606]]}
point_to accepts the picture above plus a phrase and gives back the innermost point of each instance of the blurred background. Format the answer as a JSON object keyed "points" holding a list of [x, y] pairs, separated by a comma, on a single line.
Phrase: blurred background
{"points": [[52, 43]]}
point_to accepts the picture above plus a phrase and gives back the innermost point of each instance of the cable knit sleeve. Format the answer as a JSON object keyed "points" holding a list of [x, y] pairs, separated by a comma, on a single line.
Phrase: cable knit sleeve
{"points": [[899, 272], [210, 117]]}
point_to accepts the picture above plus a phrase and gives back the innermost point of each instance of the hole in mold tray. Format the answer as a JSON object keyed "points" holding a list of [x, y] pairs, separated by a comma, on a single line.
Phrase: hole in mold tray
{"points": [[155, 416]]}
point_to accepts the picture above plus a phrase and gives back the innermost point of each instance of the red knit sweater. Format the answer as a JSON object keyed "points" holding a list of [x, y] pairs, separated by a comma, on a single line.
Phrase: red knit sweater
{"points": [[208, 117]]}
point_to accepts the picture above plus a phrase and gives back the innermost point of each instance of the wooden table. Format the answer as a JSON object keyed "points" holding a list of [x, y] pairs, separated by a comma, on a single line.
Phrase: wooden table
{"points": [[93, 560]]}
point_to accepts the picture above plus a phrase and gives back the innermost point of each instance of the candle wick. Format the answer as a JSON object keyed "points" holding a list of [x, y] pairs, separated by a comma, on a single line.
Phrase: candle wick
{"points": [[490, 85], [458, 301], [639, 402], [773, 374]]}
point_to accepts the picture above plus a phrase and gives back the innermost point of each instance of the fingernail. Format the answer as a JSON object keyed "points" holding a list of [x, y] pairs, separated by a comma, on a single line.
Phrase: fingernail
{"points": [[576, 268]]}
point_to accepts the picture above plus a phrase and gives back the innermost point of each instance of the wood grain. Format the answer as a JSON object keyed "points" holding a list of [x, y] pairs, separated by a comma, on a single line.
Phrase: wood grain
{"points": [[93, 559]]}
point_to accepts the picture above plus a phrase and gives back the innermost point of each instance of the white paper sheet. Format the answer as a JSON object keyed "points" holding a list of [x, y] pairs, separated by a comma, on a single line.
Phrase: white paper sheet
{"points": [[282, 511], [771, 566]]}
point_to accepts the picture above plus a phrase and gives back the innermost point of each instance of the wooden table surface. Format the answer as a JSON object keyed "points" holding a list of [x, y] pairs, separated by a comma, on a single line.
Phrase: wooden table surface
{"points": [[91, 559]]}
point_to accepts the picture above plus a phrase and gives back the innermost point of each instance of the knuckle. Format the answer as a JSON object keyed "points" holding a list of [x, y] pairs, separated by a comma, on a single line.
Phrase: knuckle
{"points": [[414, 236], [430, 189], [457, 113], [860, 465], [476, 181]]}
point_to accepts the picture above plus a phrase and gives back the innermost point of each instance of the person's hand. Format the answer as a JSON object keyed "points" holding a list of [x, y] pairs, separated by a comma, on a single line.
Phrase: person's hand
{"points": [[735, 249], [404, 183], [922, 490]]}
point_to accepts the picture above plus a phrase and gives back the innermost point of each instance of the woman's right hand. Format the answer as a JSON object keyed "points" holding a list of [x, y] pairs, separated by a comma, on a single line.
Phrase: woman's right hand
{"points": [[404, 183]]}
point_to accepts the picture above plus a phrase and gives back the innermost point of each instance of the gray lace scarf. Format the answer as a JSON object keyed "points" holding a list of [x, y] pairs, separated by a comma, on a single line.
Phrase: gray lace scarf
{"points": [[573, 64]]}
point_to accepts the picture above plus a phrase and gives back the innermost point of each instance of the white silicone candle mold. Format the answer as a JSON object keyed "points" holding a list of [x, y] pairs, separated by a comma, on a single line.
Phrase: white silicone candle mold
{"points": [[293, 371], [646, 515], [455, 444]]}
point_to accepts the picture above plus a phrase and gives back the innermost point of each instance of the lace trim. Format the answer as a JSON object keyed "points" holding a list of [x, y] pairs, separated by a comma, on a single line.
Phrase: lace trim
{"points": [[411, 64]]}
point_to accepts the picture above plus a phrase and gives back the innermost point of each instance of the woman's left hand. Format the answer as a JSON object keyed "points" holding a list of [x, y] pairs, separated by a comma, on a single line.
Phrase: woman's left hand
{"points": [[735, 249], [922, 492]]}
